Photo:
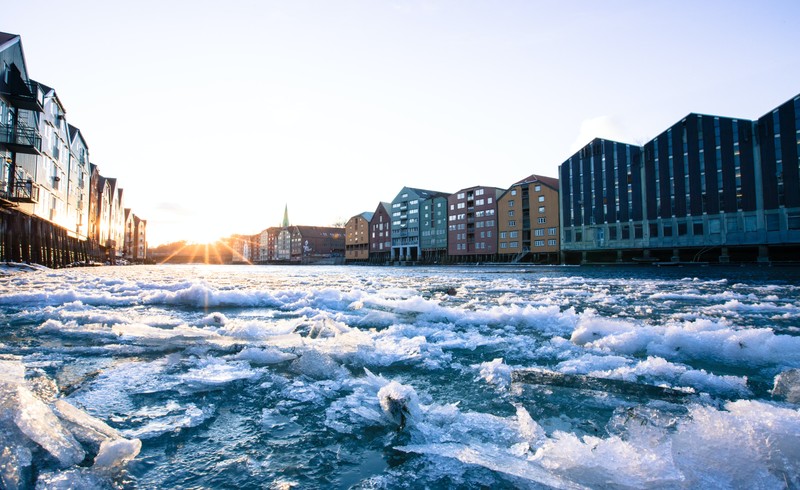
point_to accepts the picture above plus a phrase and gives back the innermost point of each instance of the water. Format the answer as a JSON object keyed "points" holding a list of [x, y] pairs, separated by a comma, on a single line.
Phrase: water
{"points": [[362, 377]]}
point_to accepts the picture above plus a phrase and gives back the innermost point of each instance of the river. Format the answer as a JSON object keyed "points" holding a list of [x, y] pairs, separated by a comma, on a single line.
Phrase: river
{"points": [[381, 377]]}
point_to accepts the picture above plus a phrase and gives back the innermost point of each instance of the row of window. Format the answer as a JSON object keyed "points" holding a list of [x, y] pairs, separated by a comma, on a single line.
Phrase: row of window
{"points": [[536, 243]]}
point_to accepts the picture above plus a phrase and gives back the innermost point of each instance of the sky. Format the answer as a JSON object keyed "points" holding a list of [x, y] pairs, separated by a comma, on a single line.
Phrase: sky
{"points": [[214, 116]]}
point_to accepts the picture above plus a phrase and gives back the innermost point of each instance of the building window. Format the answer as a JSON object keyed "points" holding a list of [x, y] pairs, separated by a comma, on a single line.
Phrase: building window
{"points": [[542, 220], [537, 188], [513, 244], [512, 222], [551, 242], [541, 209], [511, 203], [538, 232], [538, 243], [513, 234], [541, 198], [511, 213], [551, 231]]}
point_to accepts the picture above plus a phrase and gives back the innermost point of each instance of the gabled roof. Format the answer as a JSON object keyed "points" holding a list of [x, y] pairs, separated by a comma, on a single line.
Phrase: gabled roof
{"points": [[76, 133], [423, 193], [550, 182], [6, 37], [46, 89], [6, 41]]}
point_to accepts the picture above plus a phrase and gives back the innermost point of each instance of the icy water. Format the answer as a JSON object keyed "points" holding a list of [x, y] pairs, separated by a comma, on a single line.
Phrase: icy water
{"points": [[367, 377]]}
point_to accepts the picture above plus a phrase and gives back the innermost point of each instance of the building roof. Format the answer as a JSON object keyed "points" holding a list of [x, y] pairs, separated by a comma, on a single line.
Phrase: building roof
{"points": [[367, 215], [6, 37], [550, 182], [423, 193], [319, 231]]}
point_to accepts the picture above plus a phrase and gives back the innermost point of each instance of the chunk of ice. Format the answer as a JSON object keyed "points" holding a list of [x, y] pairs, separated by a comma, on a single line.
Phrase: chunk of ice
{"points": [[787, 386], [38, 422], [116, 453]]}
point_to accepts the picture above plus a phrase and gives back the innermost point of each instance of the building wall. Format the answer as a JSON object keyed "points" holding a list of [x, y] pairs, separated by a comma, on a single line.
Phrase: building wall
{"points": [[602, 184], [140, 239], [380, 236], [433, 227], [706, 183], [405, 215], [779, 153], [78, 185], [357, 238], [528, 220], [472, 221]]}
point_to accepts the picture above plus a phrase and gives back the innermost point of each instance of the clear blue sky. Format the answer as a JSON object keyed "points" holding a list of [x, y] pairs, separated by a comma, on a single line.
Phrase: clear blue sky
{"points": [[214, 115]]}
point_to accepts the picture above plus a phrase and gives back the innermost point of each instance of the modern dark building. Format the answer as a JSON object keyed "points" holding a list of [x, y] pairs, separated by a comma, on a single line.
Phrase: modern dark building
{"points": [[709, 188]]}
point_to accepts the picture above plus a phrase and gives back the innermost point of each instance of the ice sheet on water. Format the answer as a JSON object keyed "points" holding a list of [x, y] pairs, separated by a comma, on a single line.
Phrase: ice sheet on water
{"points": [[263, 356], [86, 429], [172, 417], [317, 365], [110, 392], [83, 478], [655, 371], [707, 340], [212, 372]]}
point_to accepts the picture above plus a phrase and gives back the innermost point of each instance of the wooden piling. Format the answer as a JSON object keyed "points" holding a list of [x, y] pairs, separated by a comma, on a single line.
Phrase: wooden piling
{"points": [[30, 239]]}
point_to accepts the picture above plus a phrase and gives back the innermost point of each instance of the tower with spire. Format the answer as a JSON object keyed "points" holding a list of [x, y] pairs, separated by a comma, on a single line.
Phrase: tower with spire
{"points": [[285, 223]]}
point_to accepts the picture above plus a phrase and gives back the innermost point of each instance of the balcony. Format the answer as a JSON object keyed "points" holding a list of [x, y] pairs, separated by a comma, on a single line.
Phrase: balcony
{"points": [[24, 191], [24, 95], [21, 139]]}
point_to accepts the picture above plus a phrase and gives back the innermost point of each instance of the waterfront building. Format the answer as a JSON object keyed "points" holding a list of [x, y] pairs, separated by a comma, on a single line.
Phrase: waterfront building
{"points": [[709, 188], [433, 229], [405, 229], [267, 240], [59, 211], [127, 249], [357, 237], [78, 183], [380, 236], [602, 207], [52, 163], [139, 239], [312, 244], [100, 204], [778, 141], [135, 249], [528, 221], [472, 223], [243, 248], [21, 106], [117, 221]]}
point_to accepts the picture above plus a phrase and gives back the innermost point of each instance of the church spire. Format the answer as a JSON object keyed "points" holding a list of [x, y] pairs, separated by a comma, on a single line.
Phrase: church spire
{"points": [[286, 216]]}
